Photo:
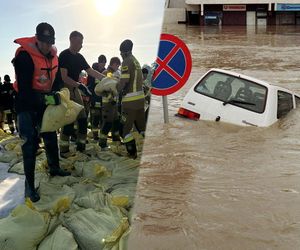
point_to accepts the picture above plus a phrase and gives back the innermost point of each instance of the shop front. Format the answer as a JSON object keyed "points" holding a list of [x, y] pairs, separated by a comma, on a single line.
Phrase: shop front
{"points": [[287, 14]]}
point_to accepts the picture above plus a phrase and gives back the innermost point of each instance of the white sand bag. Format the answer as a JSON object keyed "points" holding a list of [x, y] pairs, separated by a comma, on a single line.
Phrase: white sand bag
{"points": [[24, 228], [107, 84], [57, 116], [61, 239]]}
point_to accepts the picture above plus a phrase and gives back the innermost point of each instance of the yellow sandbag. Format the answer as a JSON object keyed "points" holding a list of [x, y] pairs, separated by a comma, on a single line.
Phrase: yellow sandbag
{"points": [[18, 149], [118, 149], [100, 170], [122, 244], [2, 133], [120, 201], [10, 146], [24, 228], [57, 116], [107, 84]]}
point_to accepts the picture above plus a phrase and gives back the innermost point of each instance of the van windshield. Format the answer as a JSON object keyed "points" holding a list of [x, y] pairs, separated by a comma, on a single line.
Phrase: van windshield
{"points": [[233, 90]]}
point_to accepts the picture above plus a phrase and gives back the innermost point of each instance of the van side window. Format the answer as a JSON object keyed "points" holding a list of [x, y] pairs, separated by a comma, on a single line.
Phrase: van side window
{"points": [[284, 104], [297, 101]]}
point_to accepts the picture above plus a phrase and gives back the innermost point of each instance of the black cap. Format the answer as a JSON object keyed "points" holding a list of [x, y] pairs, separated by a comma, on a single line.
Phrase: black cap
{"points": [[45, 33], [126, 46]]}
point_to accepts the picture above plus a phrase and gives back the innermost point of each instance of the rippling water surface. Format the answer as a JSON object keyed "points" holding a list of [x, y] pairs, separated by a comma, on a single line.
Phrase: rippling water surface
{"points": [[207, 185]]}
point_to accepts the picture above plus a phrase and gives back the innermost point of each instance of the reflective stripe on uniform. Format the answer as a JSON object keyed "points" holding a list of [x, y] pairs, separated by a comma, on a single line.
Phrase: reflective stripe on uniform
{"points": [[134, 81], [128, 138], [138, 93], [133, 96], [125, 76], [95, 130]]}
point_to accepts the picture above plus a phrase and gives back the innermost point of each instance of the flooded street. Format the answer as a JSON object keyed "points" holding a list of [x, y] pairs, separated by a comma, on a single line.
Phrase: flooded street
{"points": [[207, 185]]}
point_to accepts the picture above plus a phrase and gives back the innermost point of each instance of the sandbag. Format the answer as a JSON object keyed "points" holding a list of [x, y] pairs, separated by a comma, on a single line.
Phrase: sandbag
{"points": [[96, 230], [122, 195], [122, 244], [18, 168], [23, 229], [7, 157], [61, 239], [54, 198], [95, 199], [4, 135], [93, 170], [57, 116], [107, 84]]}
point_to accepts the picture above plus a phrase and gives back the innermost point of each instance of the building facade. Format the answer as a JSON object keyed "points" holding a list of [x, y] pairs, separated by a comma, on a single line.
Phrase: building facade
{"points": [[233, 12]]}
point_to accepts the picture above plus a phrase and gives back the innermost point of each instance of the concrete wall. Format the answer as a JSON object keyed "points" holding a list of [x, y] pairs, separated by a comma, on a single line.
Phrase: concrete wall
{"points": [[181, 4], [174, 15], [176, 3]]}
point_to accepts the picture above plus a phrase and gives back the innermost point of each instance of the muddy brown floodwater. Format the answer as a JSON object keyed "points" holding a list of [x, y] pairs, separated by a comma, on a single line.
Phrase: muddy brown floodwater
{"points": [[207, 185]]}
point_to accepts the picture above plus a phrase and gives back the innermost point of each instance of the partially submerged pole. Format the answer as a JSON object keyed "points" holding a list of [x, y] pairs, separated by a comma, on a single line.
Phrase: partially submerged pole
{"points": [[165, 107]]}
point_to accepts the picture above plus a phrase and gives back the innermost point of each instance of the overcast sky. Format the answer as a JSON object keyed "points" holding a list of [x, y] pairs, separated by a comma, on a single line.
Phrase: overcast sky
{"points": [[138, 20]]}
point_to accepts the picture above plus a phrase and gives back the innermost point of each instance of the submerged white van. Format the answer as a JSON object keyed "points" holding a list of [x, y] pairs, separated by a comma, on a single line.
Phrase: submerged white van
{"points": [[226, 96]]}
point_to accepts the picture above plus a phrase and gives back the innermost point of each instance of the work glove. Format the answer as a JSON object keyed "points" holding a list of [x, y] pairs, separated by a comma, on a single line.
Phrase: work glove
{"points": [[52, 99], [84, 90]]}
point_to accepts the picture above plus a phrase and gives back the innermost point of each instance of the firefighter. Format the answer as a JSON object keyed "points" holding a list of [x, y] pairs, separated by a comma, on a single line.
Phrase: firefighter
{"points": [[35, 66], [96, 101], [110, 116], [133, 100], [71, 63]]}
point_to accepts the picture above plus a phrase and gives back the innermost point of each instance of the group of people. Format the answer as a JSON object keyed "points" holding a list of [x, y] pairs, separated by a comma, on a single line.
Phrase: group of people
{"points": [[7, 110], [40, 74]]}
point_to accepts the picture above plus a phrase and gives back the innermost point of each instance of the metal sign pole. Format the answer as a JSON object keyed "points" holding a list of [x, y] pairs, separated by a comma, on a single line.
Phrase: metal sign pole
{"points": [[165, 107]]}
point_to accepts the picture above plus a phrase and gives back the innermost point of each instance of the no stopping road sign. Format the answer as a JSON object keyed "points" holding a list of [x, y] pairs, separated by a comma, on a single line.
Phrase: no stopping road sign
{"points": [[174, 65]]}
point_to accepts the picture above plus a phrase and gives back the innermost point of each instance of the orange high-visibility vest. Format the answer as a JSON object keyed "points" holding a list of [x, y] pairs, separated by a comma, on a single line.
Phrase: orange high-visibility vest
{"points": [[44, 68]]}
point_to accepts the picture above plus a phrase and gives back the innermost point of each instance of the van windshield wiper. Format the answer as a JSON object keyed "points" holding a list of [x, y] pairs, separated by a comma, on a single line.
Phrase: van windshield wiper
{"points": [[234, 101]]}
